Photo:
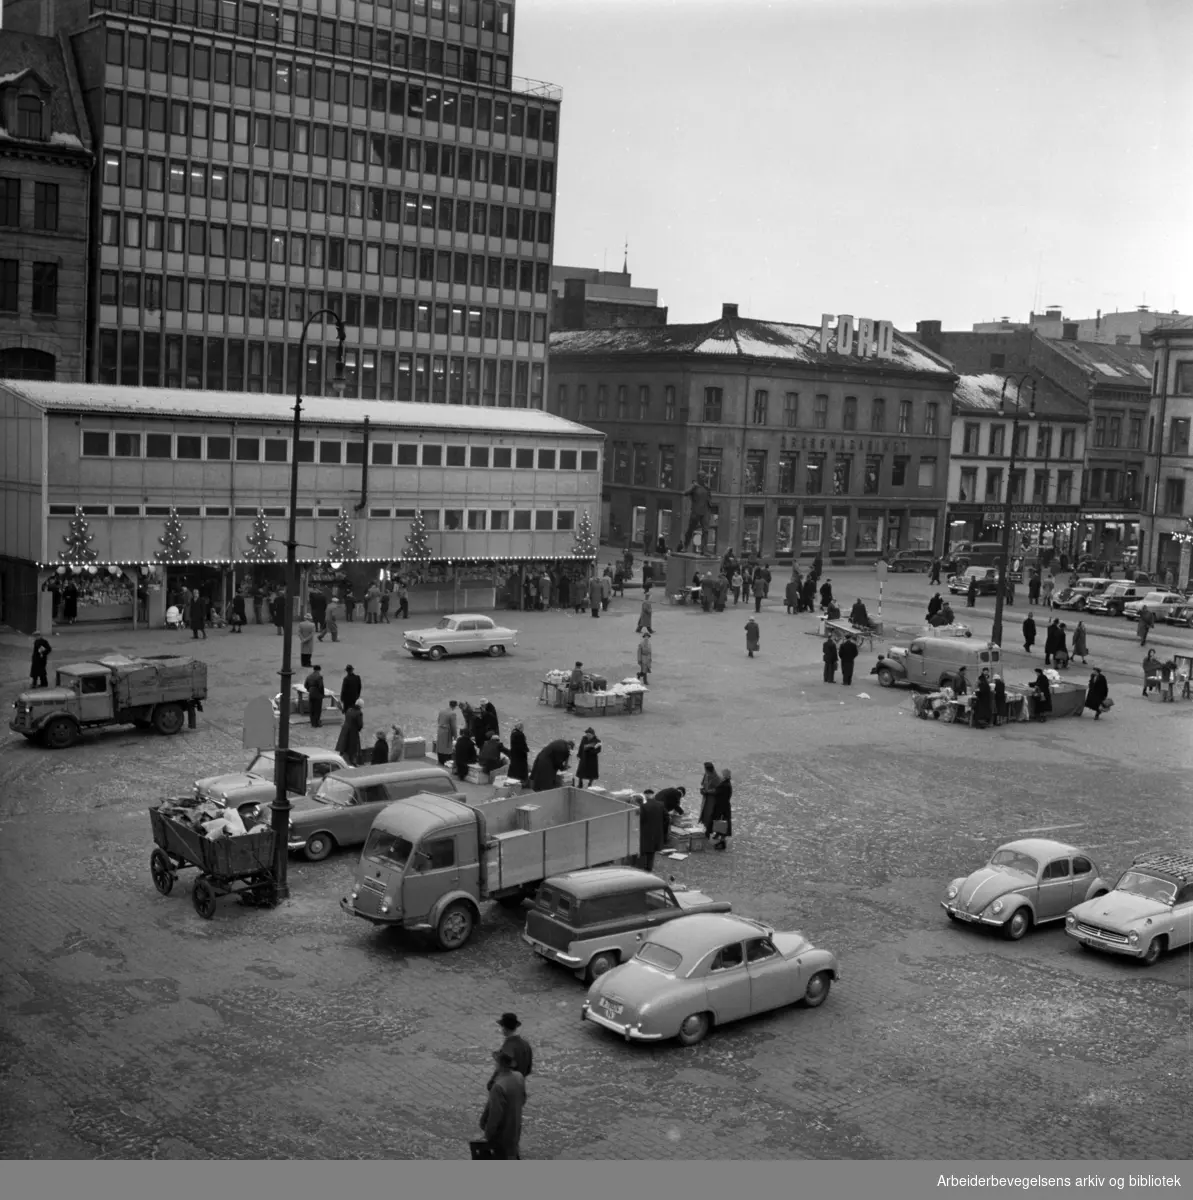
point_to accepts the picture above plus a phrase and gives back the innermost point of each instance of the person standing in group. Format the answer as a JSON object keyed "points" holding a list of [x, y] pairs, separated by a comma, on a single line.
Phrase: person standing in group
{"points": [[1167, 680], [197, 616], [1009, 592], [1029, 633], [258, 601], [316, 690], [817, 567], [491, 757], [372, 604], [1051, 640], [545, 589], [37, 664], [606, 591], [829, 653], [565, 591], [708, 794], [587, 755], [646, 614], [1080, 643], [1151, 672], [791, 594], [549, 762], [1096, 693], [722, 595], [971, 593], [403, 599], [808, 594], [983, 704], [753, 641], [237, 618], [348, 743], [519, 752], [489, 722], [654, 824], [758, 586], [463, 754], [934, 606], [445, 733], [847, 654], [380, 749], [594, 594], [1000, 701], [721, 824], [575, 684], [306, 639], [1033, 588], [397, 743], [350, 688], [645, 658], [826, 593], [501, 1120]]}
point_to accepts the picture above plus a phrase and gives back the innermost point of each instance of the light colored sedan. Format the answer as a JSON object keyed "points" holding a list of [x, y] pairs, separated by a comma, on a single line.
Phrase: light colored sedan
{"points": [[460, 633], [1025, 883], [1159, 604], [704, 970]]}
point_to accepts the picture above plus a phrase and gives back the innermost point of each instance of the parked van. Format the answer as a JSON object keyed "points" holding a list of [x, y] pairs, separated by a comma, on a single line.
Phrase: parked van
{"points": [[932, 662], [974, 554]]}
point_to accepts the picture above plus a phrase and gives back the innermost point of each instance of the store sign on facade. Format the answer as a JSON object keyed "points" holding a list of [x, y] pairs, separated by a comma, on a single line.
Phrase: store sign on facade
{"points": [[863, 337]]}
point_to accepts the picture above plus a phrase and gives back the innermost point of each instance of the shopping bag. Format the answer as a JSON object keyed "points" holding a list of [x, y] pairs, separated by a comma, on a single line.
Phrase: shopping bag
{"points": [[720, 828], [482, 1150], [1107, 704]]}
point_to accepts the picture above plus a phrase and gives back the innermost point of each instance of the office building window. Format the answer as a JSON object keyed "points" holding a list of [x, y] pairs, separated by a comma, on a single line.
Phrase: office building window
{"points": [[45, 288], [1064, 487], [45, 205], [842, 469], [10, 202], [993, 484], [926, 476], [1068, 443], [996, 446], [666, 466], [899, 472], [1174, 497], [873, 475], [669, 403], [1044, 441], [643, 402], [1114, 434], [1135, 433], [708, 464], [969, 485], [622, 402], [970, 434], [1178, 431], [10, 277], [641, 464], [1099, 431]]}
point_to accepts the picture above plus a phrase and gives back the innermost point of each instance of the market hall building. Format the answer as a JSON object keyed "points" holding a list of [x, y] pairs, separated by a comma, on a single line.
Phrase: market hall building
{"points": [[830, 439], [117, 488]]}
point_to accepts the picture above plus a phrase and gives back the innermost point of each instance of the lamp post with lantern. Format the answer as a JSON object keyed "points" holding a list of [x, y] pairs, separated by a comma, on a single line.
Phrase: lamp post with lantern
{"points": [[1005, 557], [281, 803]]}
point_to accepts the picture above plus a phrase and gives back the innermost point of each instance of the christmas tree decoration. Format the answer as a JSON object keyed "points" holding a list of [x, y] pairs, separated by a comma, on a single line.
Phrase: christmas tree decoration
{"points": [[78, 541], [585, 546], [418, 545], [259, 540], [343, 541], [172, 539]]}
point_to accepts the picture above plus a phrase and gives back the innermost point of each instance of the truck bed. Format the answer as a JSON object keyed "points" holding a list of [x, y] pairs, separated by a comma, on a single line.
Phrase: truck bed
{"points": [[177, 680], [570, 829]]}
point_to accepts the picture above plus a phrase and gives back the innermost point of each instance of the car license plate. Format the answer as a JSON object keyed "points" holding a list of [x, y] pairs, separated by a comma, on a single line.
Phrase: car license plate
{"points": [[611, 1009], [964, 915]]}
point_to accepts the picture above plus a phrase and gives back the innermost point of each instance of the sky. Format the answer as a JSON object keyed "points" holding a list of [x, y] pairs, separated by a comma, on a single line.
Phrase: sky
{"points": [[904, 160]]}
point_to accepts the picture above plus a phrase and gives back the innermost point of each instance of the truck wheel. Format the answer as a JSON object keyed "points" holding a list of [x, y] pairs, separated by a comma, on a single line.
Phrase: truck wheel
{"points": [[60, 733], [886, 677], [319, 846], [167, 718], [602, 964], [455, 926]]}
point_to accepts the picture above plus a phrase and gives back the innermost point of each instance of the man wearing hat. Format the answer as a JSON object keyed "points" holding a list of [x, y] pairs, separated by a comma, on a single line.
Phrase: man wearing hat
{"points": [[515, 1045], [644, 658], [654, 824], [37, 667], [501, 1120]]}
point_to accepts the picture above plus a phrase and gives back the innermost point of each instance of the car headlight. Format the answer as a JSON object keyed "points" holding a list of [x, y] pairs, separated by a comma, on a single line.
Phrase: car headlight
{"points": [[951, 891], [1133, 938], [1070, 921], [996, 907]]}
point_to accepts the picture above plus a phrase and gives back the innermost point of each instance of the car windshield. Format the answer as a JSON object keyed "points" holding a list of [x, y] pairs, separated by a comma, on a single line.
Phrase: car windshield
{"points": [[444, 623], [662, 957], [388, 849], [335, 791], [1153, 887], [1016, 860], [262, 764]]}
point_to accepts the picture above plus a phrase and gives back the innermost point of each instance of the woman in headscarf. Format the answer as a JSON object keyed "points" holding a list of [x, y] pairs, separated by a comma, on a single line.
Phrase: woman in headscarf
{"points": [[519, 755], [722, 812], [489, 722], [708, 790], [380, 749]]}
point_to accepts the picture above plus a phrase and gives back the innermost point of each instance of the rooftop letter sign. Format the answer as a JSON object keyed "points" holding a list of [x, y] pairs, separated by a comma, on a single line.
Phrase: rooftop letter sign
{"points": [[864, 338]]}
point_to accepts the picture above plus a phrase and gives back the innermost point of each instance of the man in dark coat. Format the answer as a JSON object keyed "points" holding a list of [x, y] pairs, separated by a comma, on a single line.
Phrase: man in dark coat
{"points": [[1033, 588], [519, 752], [983, 705], [515, 1045], [829, 651], [808, 593], [934, 573], [826, 593], [492, 755], [502, 1119], [722, 811], [858, 616], [1029, 633], [654, 823], [464, 756], [791, 595], [37, 666], [1096, 693], [348, 743], [318, 605], [847, 654], [549, 761], [316, 690], [934, 606], [1000, 701], [199, 616], [1043, 694], [971, 592], [350, 688], [817, 567], [671, 799]]}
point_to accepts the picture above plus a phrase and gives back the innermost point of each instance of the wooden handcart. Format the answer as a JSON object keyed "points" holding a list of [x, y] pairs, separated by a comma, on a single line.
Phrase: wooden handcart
{"points": [[241, 865]]}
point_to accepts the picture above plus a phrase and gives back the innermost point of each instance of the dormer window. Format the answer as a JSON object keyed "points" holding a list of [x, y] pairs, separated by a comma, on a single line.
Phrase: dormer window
{"points": [[30, 118]]}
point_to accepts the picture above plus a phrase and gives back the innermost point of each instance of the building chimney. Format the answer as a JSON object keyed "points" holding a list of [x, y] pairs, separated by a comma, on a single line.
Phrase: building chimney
{"points": [[1053, 314], [1069, 331], [927, 331], [728, 312]]}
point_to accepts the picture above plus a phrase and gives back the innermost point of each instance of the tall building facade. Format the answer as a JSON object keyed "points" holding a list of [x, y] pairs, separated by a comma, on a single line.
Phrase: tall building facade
{"points": [[258, 162], [45, 186]]}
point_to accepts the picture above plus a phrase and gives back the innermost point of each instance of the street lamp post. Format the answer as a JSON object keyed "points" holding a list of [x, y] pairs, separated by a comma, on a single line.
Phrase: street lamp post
{"points": [[1005, 559], [281, 801]]}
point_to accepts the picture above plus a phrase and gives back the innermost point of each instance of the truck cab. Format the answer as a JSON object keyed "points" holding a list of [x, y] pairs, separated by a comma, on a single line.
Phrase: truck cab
{"points": [[91, 688]]}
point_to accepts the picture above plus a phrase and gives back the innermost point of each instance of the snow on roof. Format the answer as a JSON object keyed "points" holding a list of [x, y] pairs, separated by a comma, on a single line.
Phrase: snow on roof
{"points": [[983, 393], [111, 399], [741, 337], [1107, 369], [65, 139]]}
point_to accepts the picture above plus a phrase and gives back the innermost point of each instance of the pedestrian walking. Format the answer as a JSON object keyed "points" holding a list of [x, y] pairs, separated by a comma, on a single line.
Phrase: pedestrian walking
{"points": [[752, 639], [1145, 621], [1029, 633], [817, 567], [791, 595], [386, 593], [306, 639], [1009, 592], [380, 749], [1080, 642], [808, 593], [316, 690], [759, 589], [708, 794], [445, 732], [348, 743], [645, 658], [735, 584], [317, 602], [971, 592], [350, 688], [847, 654], [587, 756], [934, 573], [1052, 640], [606, 591], [515, 1045], [983, 704], [397, 743], [721, 825], [330, 625], [1000, 701], [654, 824], [463, 754], [1096, 693], [37, 664], [594, 594], [1060, 656], [549, 762], [238, 618], [829, 654], [646, 614], [1046, 590], [519, 752], [501, 1120]]}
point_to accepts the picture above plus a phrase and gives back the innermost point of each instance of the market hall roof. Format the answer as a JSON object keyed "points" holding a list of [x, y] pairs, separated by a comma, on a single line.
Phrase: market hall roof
{"points": [[982, 394], [745, 338], [194, 405]]}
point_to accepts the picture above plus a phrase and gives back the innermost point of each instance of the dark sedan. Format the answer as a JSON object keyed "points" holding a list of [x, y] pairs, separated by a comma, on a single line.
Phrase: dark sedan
{"points": [[911, 560]]}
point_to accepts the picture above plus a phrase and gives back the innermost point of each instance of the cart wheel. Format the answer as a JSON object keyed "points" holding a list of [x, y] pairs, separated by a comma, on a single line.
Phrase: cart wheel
{"points": [[162, 872], [203, 898]]}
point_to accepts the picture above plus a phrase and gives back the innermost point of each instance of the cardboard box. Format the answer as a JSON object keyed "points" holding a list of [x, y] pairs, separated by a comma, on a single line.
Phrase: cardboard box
{"points": [[415, 747], [526, 815]]}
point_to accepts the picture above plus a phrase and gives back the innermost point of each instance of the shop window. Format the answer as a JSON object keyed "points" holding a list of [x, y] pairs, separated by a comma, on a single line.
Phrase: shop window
{"points": [[815, 474]]}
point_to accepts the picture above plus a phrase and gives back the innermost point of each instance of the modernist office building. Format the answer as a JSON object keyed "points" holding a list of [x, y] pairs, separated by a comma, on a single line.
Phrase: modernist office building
{"points": [[497, 489], [257, 162]]}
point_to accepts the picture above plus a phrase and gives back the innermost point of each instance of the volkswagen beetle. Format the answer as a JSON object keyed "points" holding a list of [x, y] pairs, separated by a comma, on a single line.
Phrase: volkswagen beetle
{"points": [[1025, 883]]}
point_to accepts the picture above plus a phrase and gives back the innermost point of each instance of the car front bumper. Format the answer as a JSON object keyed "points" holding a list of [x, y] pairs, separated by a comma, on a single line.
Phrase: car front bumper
{"points": [[543, 950], [969, 917], [1088, 937], [629, 1032]]}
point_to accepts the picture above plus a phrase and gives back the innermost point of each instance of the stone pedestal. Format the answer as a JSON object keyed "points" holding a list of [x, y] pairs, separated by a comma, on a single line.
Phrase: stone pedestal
{"points": [[682, 565]]}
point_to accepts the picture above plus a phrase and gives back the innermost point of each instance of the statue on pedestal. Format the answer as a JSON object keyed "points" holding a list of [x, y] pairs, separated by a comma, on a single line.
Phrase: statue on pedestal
{"points": [[699, 495]]}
